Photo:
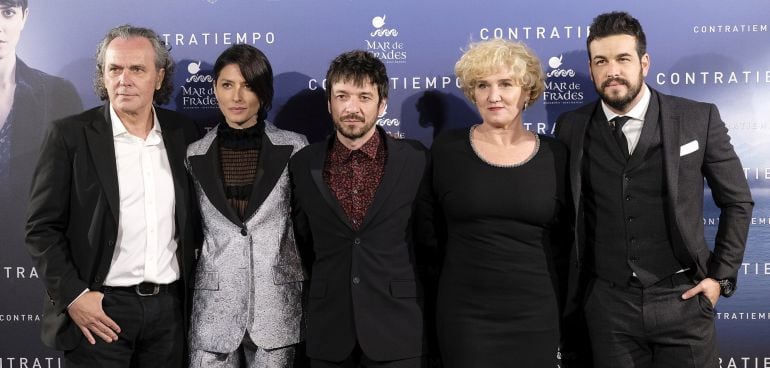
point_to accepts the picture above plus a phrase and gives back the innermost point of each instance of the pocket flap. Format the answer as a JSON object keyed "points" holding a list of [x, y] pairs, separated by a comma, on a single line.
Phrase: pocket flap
{"points": [[286, 273], [207, 280], [403, 288]]}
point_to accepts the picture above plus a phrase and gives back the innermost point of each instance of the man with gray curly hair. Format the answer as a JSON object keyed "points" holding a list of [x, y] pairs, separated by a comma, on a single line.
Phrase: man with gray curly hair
{"points": [[110, 220]]}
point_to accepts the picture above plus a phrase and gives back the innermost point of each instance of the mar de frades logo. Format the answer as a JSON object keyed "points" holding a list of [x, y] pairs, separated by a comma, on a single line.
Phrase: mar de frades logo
{"points": [[560, 84], [198, 89], [383, 42], [389, 123]]}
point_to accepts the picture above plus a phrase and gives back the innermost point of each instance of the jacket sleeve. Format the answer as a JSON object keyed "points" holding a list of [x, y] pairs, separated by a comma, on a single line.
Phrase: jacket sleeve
{"points": [[48, 220], [724, 173]]}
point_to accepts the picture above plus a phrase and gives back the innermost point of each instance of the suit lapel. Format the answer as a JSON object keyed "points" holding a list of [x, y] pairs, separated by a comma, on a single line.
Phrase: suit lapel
{"points": [[394, 166], [206, 170], [649, 134], [318, 158], [101, 146], [272, 162], [670, 125], [174, 141]]}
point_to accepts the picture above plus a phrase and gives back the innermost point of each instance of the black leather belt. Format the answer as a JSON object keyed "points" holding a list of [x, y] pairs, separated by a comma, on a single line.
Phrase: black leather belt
{"points": [[144, 289]]}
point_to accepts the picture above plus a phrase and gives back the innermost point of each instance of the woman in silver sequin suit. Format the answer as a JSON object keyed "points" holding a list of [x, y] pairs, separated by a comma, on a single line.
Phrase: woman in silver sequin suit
{"points": [[247, 303]]}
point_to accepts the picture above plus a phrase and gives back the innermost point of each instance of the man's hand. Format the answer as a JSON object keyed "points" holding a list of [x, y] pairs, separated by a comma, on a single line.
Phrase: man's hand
{"points": [[709, 287], [86, 311]]}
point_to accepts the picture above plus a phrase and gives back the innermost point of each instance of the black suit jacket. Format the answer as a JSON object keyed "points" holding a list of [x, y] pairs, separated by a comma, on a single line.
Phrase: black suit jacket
{"points": [[364, 284], [72, 219], [696, 146]]}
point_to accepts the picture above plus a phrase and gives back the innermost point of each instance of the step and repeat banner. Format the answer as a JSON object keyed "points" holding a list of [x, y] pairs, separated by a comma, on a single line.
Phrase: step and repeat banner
{"points": [[706, 50]]}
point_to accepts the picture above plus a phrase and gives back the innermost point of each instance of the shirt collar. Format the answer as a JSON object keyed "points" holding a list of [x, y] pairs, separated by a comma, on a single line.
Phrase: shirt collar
{"points": [[637, 112], [369, 148], [119, 129]]}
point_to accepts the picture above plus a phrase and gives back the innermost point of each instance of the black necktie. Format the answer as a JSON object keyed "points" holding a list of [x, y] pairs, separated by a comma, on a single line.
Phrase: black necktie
{"points": [[617, 131]]}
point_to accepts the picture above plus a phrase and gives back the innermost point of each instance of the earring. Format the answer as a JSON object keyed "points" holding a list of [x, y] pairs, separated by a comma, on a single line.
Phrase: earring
{"points": [[526, 104]]}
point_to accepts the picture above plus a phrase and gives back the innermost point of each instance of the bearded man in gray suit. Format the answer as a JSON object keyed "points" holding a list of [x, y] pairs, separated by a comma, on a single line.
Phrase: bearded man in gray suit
{"points": [[247, 303], [638, 161]]}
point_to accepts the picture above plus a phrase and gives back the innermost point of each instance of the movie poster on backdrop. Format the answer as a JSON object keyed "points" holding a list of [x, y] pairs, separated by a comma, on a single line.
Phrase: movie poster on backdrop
{"points": [[706, 51]]}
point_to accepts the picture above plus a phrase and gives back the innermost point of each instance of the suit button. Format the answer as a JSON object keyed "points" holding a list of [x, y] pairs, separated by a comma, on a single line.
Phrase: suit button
{"points": [[356, 241], [243, 232], [356, 280], [634, 259], [628, 197], [97, 279], [627, 178], [630, 219]]}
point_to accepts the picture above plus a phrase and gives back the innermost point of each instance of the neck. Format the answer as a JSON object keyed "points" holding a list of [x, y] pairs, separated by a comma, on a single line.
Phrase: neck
{"points": [[503, 135], [138, 125], [8, 70], [354, 144]]}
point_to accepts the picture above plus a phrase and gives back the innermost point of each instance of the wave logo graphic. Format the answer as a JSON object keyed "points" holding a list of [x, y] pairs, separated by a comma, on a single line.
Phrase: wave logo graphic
{"points": [[555, 62], [194, 68], [382, 121], [379, 22]]}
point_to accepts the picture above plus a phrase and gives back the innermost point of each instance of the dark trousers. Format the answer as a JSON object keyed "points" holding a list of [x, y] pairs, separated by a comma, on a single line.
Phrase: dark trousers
{"points": [[357, 359], [152, 334], [654, 327]]}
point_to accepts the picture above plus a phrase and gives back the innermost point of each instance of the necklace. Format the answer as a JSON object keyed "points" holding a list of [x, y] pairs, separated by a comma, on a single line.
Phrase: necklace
{"points": [[517, 164]]}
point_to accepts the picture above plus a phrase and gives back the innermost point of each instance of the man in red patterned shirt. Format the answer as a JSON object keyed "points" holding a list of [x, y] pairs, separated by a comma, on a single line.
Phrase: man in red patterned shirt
{"points": [[353, 199]]}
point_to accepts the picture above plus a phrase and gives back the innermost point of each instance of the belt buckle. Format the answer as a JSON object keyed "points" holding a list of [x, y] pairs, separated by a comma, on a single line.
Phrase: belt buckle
{"points": [[155, 290]]}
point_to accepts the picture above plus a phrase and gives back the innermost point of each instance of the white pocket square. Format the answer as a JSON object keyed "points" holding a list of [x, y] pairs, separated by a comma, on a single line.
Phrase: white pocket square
{"points": [[688, 148]]}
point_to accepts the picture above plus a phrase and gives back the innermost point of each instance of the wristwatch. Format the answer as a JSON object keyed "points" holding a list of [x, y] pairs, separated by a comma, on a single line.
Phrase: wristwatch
{"points": [[727, 288]]}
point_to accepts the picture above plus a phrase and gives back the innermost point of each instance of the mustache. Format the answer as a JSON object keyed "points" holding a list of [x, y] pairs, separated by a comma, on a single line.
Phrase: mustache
{"points": [[354, 116], [620, 80]]}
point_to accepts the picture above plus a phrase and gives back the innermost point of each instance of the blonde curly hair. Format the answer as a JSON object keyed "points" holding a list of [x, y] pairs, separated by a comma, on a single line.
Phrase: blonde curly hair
{"points": [[484, 58]]}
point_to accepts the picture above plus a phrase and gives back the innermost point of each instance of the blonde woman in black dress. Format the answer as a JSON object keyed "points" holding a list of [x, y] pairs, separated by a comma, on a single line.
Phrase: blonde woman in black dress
{"points": [[499, 193]]}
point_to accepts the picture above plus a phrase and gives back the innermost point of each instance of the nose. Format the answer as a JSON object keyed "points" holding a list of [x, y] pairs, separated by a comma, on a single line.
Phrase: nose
{"points": [[125, 78], [494, 94], [238, 94]]}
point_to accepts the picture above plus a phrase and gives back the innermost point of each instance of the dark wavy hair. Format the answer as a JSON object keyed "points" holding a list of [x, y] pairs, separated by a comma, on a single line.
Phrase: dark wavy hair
{"points": [[256, 71], [358, 66], [12, 3], [617, 23], [162, 60]]}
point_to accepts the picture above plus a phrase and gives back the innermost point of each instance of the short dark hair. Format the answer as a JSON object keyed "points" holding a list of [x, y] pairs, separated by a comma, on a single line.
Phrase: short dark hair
{"points": [[14, 3], [617, 23], [256, 71], [163, 60], [358, 66]]}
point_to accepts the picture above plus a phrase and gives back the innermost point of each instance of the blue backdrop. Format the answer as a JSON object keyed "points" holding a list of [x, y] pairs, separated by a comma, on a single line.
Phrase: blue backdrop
{"points": [[708, 50]]}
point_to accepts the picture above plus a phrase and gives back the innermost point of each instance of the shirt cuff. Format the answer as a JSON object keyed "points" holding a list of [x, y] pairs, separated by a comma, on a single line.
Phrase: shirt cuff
{"points": [[78, 297]]}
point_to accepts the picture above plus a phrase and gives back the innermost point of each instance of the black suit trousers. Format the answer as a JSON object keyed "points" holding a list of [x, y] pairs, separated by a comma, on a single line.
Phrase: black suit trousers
{"points": [[653, 327], [152, 334]]}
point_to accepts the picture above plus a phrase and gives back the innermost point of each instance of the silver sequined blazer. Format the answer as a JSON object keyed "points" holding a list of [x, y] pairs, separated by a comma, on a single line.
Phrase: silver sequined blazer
{"points": [[249, 274]]}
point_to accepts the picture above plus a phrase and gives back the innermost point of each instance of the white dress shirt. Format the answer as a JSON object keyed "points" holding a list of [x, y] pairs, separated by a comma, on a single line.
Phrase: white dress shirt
{"points": [[633, 127], [145, 249]]}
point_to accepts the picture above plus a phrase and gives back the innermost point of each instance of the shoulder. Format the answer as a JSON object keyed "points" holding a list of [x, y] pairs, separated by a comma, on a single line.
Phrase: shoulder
{"points": [[305, 154], [554, 145], [408, 144], [451, 138], [170, 119], [80, 119], [202, 145], [40, 79], [681, 104], [581, 113], [284, 137]]}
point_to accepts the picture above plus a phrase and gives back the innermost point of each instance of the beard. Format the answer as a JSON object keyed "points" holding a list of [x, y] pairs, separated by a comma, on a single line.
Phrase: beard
{"points": [[620, 101], [353, 132]]}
